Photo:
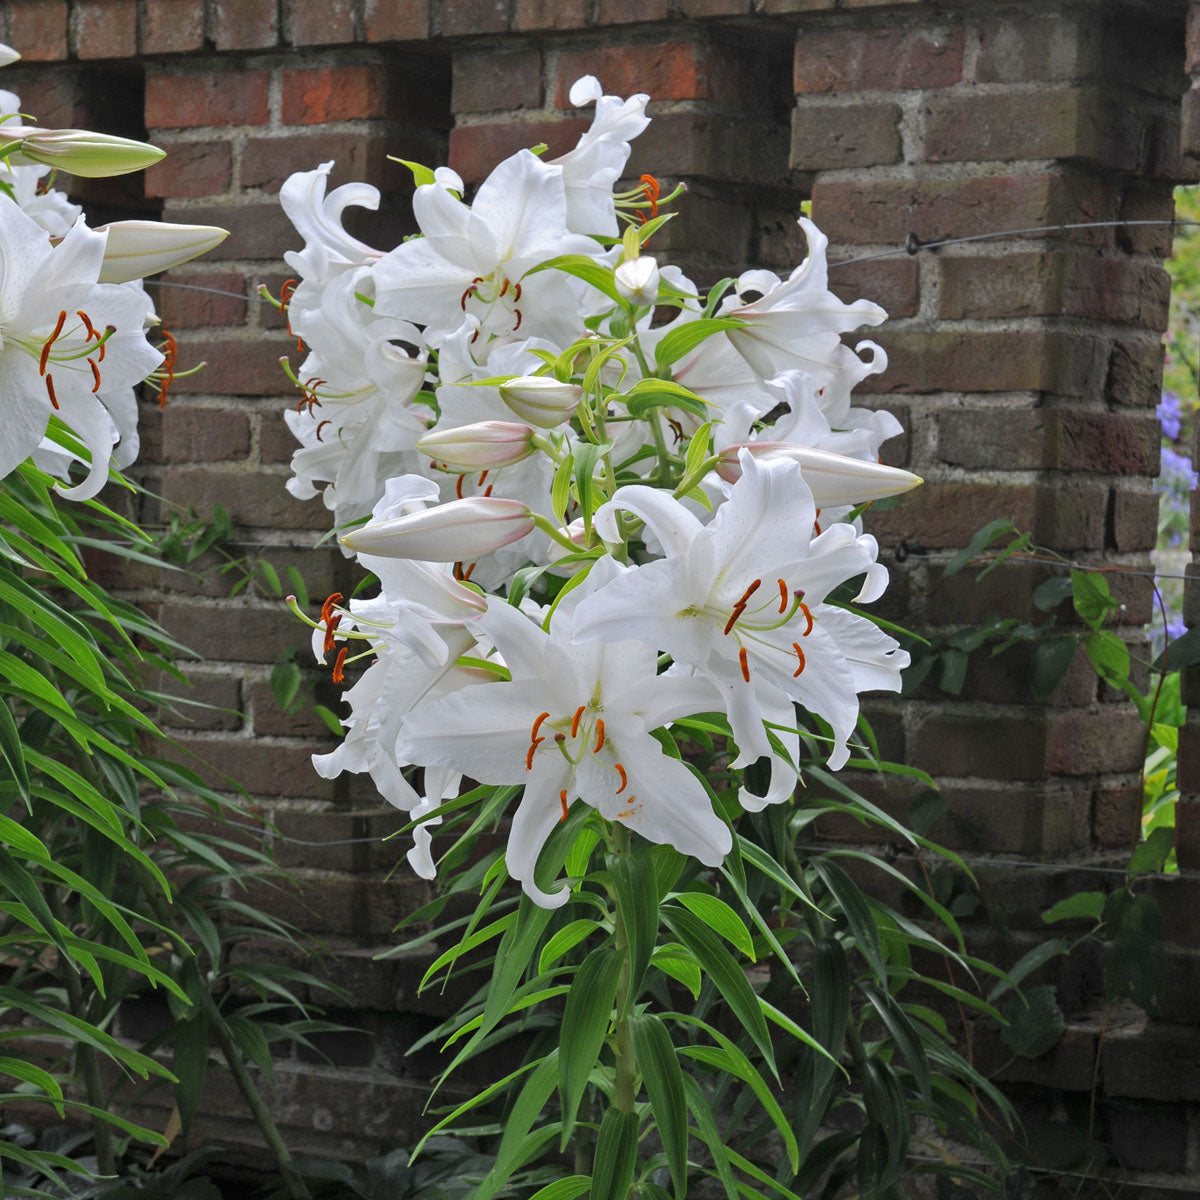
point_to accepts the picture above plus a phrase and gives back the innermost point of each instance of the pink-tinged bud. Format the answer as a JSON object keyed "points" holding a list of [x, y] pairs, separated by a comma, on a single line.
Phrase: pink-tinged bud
{"points": [[637, 280], [541, 399], [460, 531], [486, 444], [834, 478]]}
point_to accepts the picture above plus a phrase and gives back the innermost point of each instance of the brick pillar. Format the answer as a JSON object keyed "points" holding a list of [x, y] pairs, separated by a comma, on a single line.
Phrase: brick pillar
{"points": [[1025, 368]]}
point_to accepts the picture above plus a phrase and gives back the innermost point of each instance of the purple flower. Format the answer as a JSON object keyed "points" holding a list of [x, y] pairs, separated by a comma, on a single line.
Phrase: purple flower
{"points": [[1177, 473], [1170, 415]]}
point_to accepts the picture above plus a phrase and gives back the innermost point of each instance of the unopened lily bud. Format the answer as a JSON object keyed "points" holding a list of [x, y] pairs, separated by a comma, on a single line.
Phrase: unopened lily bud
{"points": [[637, 280], [460, 531], [541, 399], [7, 55], [484, 444], [80, 151], [834, 478], [135, 249]]}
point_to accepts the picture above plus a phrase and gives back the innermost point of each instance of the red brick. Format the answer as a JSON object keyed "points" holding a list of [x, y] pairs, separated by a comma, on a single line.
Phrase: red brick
{"points": [[995, 747], [38, 29], [1193, 40], [1062, 440], [235, 367], [198, 435], [945, 515], [1013, 820], [465, 17], [715, 8], [1089, 743], [105, 29], [1117, 815], [233, 97], [531, 15], [267, 161], [888, 210], [263, 768], [1062, 122], [1134, 375], [207, 577], [490, 81], [331, 826], [326, 24], [714, 144], [1190, 115], [1135, 520], [877, 59], [251, 498], [956, 360], [629, 12], [209, 702], [892, 283], [321, 94], [476, 149], [173, 26], [354, 904], [238, 633], [387, 21], [181, 308], [244, 24], [270, 720], [1032, 48], [58, 100], [830, 136], [670, 70], [275, 441], [191, 169], [1143, 200]]}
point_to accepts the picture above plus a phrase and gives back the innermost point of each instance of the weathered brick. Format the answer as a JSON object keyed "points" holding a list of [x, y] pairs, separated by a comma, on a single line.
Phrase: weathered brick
{"points": [[490, 81], [1155, 1061], [256, 231], [271, 721], [1089, 743], [1036, 47], [316, 95], [888, 210], [1062, 122], [191, 169], [630, 12], [244, 24], [234, 367], [206, 701], [671, 70], [955, 360], [1135, 519], [357, 905], [829, 136], [296, 827], [173, 26], [1147, 1136], [330, 23], [1134, 375], [877, 59], [105, 29], [57, 99], [216, 633], [38, 29], [266, 162], [1000, 747], [263, 768], [204, 434], [1066, 517], [532, 15], [892, 283], [181, 308], [233, 97], [702, 9], [1117, 815], [465, 17], [1060, 439], [387, 21], [251, 498], [1009, 819], [715, 145], [275, 441], [1039, 284], [476, 149]]}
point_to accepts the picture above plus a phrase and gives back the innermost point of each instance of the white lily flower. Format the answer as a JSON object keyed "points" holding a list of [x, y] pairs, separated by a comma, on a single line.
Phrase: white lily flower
{"points": [[637, 279], [72, 347], [741, 600], [574, 723], [135, 249]]}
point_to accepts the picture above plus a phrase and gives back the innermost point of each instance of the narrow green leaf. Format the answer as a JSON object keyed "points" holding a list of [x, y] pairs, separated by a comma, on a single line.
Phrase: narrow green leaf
{"points": [[1080, 905], [718, 916], [585, 1021], [190, 1064], [564, 941], [654, 1054], [674, 345], [10, 749], [569, 1188], [850, 900], [517, 1123], [616, 1155], [676, 960], [981, 539], [710, 1135], [637, 901]]}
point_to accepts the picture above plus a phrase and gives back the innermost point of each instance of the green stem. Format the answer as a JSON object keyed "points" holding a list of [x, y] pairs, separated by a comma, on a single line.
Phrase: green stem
{"points": [[624, 1087]]}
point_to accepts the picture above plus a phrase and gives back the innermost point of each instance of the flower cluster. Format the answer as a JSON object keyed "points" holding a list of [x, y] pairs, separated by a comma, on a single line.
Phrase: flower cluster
{"points": [[73, 317], [598, 502]]}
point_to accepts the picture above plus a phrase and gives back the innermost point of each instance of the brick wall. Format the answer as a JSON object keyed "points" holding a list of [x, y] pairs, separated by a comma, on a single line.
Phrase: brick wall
{"points": [[1024, 367]]}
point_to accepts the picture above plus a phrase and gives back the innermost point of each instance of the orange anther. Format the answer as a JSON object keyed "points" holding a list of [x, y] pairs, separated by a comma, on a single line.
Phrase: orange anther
{"points": [[504, 287], [576, 718], [482, 479], [91, 362], [458, 486], [50, 390], [467, 573], [321, 425], [562, 796], [800, 656], [330, 600], [330, 629], [62, 316], [599, 736], [745, 665], [531, 751], [87, 323], [808, 617], [624, 778], [537, 724], [516, 293], [517, 314], [339, 662], [783, 596]]}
